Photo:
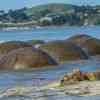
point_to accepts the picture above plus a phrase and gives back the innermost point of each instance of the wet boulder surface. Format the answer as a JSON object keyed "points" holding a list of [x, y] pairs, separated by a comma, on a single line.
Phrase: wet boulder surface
{"points": [[12, 45], [64, 51], [25, 58], [90, 44]]}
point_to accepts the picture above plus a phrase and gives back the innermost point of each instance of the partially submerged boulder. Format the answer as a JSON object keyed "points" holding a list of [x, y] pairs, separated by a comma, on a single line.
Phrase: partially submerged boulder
{"points": [[25, 58], [12, 45], [90, 44], [64, 51]]}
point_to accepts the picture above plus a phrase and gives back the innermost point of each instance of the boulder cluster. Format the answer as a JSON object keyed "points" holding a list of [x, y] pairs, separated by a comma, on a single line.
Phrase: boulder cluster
{"points": [[77, 76], [36, 53]]}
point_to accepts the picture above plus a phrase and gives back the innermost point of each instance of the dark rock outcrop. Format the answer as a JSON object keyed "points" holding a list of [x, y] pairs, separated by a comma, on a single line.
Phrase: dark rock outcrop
{"points": [[25, 58], [89, 44], [63, 51]]}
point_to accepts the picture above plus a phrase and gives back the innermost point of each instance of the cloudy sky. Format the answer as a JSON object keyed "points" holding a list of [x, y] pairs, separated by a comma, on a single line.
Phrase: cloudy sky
{"points": [[14, 4]]}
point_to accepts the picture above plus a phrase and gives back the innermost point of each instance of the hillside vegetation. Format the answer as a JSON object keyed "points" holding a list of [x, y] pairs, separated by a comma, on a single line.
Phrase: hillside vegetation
{"points": [[59, 13]]}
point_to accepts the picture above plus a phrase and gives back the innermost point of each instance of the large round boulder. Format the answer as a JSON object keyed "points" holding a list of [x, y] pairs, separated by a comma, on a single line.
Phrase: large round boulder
{"points": [[12, 45], [63, 51], [90, 44], [26, 58]]}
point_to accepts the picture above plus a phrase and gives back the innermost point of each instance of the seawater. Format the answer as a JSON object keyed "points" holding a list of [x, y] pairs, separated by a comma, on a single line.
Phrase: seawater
{"points": [[42, 77], [50, 33]]}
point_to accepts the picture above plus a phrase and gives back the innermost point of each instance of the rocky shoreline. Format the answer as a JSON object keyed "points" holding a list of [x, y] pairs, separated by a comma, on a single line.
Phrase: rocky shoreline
{"points": [[37, 53]]}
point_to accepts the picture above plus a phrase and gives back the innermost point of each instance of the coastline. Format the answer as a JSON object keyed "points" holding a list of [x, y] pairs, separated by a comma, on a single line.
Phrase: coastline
{"points": [[7, 29], [31, 27]]}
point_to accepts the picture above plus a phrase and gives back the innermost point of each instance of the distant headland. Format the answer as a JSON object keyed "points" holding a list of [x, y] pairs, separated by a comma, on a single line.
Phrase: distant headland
{"points": [[50, 14]]}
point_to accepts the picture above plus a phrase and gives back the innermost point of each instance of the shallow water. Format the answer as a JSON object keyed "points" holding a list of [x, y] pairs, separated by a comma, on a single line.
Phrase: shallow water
{"points": [[42, 77]]}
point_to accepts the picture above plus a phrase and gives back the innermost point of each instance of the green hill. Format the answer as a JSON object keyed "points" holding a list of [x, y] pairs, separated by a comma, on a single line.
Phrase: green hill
{"points": [[54, 8], [69, 14], [42, 10]]}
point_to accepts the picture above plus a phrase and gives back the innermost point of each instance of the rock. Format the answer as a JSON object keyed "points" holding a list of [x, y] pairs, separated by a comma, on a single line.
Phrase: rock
{"points": [[12, 45], [90, 76], [79, 39], [36, 42], [97, 73], [77, 76], [63, 51], [90, 44], [72, 78], [25, 58]]}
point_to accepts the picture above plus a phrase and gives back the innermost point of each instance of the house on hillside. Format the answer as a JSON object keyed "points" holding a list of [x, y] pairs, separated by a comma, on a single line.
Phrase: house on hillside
{"points": [[53, 19]]}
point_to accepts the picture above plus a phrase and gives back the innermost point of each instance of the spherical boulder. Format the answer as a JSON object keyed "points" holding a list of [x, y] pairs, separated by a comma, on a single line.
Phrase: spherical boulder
{"points": [[63, 51], [12, 45], [90, 44], [25, 58]]}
